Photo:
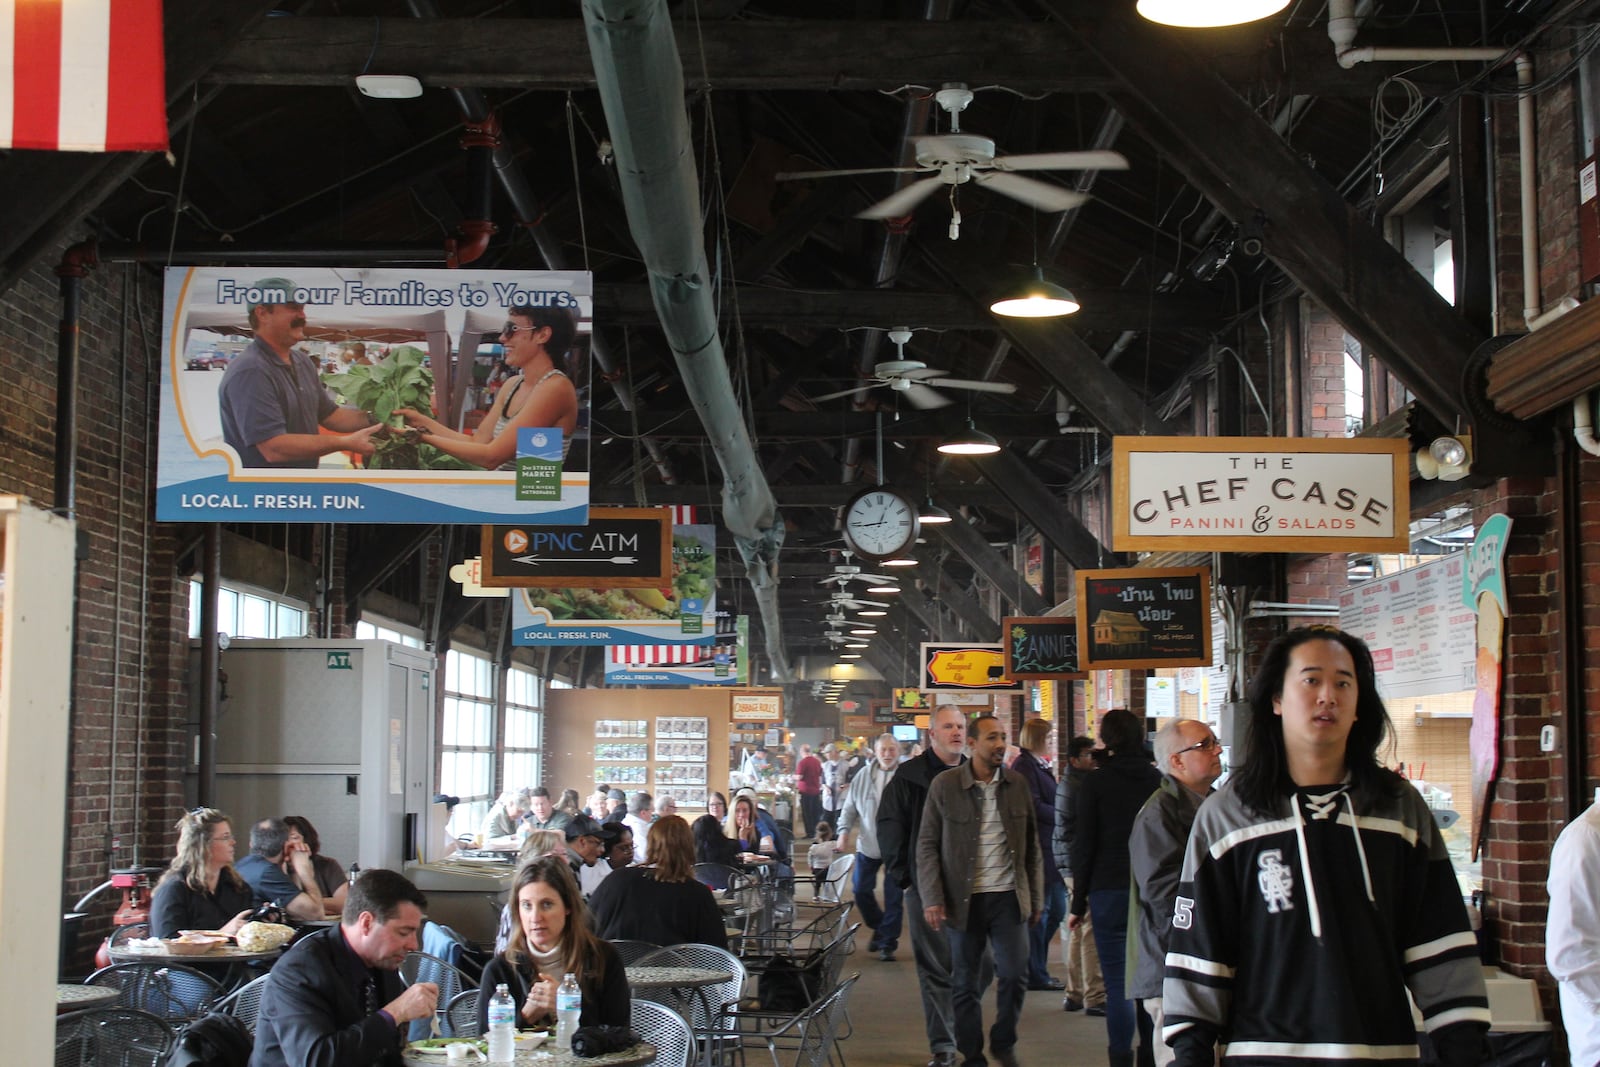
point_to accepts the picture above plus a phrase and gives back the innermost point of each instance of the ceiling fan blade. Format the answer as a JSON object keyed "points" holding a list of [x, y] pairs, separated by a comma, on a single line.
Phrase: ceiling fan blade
{"points": [[844, 392], [901, 203], [925, 398], [923, 374], [796, 175], [1062, 161], [1030, 191], [975, 386]]}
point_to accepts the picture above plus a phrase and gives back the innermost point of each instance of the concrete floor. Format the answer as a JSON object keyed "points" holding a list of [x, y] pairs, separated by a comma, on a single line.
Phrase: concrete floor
{"points": [[886, 1012]]}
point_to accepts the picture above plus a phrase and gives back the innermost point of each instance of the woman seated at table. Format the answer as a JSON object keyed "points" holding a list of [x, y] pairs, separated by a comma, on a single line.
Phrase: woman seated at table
{"points": [[551, 938], [539, 843], [757, 835], [200, 889], [330, 876], [713, 846], [660, 902]]}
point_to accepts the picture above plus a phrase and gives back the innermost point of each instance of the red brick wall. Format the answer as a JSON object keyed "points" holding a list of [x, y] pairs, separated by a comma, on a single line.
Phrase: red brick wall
{"points": [[1322, 375]]}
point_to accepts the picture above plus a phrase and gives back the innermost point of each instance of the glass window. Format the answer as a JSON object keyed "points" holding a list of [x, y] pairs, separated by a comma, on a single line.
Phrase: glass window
{"points": [[244, 613], [524, 719], [466, 736]]}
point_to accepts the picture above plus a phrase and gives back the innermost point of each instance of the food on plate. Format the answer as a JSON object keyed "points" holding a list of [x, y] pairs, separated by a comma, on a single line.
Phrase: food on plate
{"points": [[263, 937], [193, 944]]}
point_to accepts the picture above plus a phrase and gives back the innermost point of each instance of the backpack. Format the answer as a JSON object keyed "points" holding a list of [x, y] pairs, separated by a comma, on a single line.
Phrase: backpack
{"points": [[789, 985], [216, 1039]]}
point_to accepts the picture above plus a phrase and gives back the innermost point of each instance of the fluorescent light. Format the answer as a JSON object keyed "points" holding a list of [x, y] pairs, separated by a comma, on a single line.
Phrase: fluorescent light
{"points": [[1195, 14]]}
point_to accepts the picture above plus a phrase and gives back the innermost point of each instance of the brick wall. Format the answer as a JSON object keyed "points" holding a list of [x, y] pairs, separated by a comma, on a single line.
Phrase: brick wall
{"points": [[127, 689]]}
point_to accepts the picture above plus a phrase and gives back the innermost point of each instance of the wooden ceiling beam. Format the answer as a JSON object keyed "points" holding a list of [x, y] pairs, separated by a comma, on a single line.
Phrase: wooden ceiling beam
{"points": [[822, 424], [970, 545], [1030, 496]]}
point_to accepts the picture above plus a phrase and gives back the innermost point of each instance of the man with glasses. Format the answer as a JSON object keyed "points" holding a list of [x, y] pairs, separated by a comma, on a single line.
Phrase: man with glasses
{"points": [[1190, 759], [272, 401]]}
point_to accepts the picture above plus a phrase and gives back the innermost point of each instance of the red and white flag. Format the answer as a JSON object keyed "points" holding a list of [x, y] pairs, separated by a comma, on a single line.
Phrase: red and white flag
{"points": [[82, 75]]}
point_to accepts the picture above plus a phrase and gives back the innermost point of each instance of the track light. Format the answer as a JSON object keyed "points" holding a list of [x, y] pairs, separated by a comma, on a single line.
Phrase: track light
{"points": [[1198, 14], [1036, 299]]}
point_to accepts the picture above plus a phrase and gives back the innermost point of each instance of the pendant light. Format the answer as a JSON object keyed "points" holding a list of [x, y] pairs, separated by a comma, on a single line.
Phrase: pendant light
{"points": [[1200, 14], [1036, 299], [970, 442]]}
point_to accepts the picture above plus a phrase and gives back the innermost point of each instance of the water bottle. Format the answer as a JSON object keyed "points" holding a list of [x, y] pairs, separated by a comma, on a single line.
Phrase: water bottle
{"points": [[569, 1005], [502, 1026], [355, 872]]}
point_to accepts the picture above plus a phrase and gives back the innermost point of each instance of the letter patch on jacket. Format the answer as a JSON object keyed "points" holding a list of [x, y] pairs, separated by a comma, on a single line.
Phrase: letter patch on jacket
{"points": [[1276, 881]]}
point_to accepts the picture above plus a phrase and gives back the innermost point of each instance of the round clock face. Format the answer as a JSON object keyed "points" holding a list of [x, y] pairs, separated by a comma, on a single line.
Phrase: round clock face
{"points": [[880, 523]]}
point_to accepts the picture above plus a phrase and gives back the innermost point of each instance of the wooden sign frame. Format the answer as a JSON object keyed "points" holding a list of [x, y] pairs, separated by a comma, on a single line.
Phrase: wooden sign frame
{"points": [[1063, 621], [1086, 646], [659, 580], [931, 649]]}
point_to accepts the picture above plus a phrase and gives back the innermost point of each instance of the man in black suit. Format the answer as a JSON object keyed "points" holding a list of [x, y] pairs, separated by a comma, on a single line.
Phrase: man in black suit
{"points": [[336, 998]]}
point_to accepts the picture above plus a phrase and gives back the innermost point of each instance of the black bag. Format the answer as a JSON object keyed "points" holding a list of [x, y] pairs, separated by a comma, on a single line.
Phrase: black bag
{"points": [[789, 985], [599, 1040], [216, 1039]]}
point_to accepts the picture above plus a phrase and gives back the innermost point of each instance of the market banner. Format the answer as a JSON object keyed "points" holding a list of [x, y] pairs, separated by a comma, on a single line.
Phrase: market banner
{"points": [[330, 394], [682, 612], [724, 663]]}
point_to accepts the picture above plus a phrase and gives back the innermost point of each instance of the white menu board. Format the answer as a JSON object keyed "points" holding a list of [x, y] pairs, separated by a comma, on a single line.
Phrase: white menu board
{"points": [[1423, 639]]}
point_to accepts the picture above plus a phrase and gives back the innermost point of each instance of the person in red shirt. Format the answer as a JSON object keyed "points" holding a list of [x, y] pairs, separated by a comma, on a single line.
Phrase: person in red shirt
{"points": [[808, 783]]}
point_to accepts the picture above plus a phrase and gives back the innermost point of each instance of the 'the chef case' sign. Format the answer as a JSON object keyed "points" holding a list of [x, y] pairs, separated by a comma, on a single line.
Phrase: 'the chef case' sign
{"points": [[1260, 494]]}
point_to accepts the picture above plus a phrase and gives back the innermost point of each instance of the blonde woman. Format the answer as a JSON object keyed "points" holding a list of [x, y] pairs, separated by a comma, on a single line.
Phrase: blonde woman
{"points": [[200, 889]]}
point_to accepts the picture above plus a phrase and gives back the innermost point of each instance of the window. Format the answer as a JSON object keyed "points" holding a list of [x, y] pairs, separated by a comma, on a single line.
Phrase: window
{"points": [[466, 738], [524, 722], [384, 630], [244, 612]]}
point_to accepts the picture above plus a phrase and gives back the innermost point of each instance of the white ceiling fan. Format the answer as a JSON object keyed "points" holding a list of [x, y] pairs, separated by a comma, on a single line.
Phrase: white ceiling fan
{"points": [[956, 158], [915, 380], [841, 599], [847, 572]]}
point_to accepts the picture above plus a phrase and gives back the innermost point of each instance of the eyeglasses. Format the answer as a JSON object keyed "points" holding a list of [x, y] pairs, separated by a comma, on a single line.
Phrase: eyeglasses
{"points": [[224, 837], [1202, 746], [511, 329]]}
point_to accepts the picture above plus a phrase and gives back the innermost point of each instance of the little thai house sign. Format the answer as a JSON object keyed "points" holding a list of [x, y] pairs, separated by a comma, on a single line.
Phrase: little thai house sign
{"points": [[1260, 494]]}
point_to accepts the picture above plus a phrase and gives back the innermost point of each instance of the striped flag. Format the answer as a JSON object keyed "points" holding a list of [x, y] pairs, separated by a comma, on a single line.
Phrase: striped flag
{"points": [[657, 655], [82, 75]]}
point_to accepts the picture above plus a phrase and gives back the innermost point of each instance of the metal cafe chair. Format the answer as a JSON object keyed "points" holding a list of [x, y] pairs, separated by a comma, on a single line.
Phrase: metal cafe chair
{"points": [[666, 1030], [168, 991], [244, 1003], [421, 967], [633, 951], [112, 1037], [462, 1014]]}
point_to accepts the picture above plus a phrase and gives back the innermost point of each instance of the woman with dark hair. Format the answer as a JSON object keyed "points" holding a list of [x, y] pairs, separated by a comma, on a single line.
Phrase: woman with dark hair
{"points": [[1316, 890], [1031, 768], [568, 805], [330, 876], [711, 845], [551, 937], [200, 889], [1108, 801], [660, 902], [534, 343], [717, 806]]}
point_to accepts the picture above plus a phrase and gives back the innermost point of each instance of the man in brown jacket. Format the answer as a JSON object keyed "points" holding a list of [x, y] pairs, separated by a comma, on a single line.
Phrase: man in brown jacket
{"points": [[981, 872]]}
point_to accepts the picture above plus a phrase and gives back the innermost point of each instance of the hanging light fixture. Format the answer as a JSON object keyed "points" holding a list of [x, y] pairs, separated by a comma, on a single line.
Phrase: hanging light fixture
{"points": [[899, 561], [1197, 14], [1036, 299], [883, 588], [970, 442], [932, 513]]}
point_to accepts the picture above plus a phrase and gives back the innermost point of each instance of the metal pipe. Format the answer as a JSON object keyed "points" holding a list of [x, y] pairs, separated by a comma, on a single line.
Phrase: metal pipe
{"points": [[210, 585], [71, 271]]}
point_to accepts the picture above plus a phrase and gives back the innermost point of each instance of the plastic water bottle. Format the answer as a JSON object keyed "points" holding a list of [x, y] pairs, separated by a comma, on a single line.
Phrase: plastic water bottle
{"points": [[502, 1026], [569, 1005]]}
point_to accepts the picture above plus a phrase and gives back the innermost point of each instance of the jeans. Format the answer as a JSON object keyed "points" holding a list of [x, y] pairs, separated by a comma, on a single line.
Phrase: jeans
{"points": [[993, 920], [1042, 935], [1109, 910], [885, 921], [932, 952]]}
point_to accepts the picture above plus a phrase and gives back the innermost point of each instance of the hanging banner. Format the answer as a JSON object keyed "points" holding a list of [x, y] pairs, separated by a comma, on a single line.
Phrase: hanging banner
{"points": [[345, 395], [1260, 494], [618, 548], [725, 663], [1483, 589], [682, 612], [1041, 646], [1144, 617], [951, 665]]}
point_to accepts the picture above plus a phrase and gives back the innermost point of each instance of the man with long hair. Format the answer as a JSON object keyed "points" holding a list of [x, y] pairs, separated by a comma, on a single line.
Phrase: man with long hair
{"points": [[1316, 890]]}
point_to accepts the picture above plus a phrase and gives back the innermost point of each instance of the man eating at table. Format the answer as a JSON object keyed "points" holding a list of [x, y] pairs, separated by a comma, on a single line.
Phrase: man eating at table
{"points": [[336, 998]]}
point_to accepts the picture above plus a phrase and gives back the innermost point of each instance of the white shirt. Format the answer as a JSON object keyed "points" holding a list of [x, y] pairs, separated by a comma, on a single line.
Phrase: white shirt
{"points": [[993, 872], [1572, 937], [641, 831]]}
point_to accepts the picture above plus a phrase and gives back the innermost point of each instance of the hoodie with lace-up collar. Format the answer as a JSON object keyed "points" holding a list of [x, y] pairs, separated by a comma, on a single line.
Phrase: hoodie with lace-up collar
{"points": [[1297, 934]]}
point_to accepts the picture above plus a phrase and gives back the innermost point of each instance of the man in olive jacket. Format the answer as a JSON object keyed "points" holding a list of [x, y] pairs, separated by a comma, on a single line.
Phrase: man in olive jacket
{"points": [[981, 872]]}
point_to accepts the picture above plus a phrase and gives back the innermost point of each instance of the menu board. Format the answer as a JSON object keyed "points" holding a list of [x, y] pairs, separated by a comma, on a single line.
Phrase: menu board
{"points": [[1144, 617], [1041, 646], [1423, 639]]}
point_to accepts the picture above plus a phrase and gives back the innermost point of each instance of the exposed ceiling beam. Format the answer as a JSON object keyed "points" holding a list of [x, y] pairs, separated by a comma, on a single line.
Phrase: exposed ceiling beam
{"points": [[816, 54], [1205, 129], [802, 496], [970, 546], [1010, 473], [976, 621], [776, 423], [623, 304]]}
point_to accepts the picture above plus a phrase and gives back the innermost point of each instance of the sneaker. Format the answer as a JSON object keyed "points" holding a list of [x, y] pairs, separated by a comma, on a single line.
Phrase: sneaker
{"points": [[886, 955], [1069, 1004], [1098, 1011], [943, 1059]]}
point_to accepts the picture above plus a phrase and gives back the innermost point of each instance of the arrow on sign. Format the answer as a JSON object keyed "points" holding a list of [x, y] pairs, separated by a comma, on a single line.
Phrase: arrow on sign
{"points": [[534, 561]]}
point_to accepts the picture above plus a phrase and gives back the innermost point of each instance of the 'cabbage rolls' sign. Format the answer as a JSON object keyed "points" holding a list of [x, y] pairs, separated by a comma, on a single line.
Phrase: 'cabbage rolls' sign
{"points": [[1260, 494]]}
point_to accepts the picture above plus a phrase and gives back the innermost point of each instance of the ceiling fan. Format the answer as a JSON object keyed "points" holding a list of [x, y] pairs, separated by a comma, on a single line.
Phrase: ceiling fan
{"points": [[847, 572], [841, 598], [916, 380], [956, 158]]}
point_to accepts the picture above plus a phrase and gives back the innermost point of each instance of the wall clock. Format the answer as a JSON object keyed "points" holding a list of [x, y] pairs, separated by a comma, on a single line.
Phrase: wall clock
{"points": [[880, 523]]}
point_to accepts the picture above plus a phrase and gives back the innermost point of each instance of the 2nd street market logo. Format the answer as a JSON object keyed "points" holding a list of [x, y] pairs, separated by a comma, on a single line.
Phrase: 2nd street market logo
{"points": [[1245, 493]]}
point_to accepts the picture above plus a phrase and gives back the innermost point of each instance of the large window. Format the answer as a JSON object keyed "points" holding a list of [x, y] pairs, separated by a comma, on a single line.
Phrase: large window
{"points": [[243, 612], [383, 630], [523, 723], [466, 737]]}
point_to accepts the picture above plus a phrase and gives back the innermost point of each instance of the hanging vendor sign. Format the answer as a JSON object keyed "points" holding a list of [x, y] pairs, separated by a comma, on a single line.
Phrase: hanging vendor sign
{"points": [[1144, 617], [953, 665], [618, 548], [1039, 646], [1260, 494], [725, 663], [680, 612], [1483, 589], [323, 394]]}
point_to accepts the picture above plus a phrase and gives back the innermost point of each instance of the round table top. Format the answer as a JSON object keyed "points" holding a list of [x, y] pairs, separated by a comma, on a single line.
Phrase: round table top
{"points": [[547, 1056], [218, 954], [683, 977], [72, 997]]}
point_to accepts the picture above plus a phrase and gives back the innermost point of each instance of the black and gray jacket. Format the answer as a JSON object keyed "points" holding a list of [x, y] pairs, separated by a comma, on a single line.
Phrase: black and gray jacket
{"points": [[1155, 856], [1296, 935]]}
